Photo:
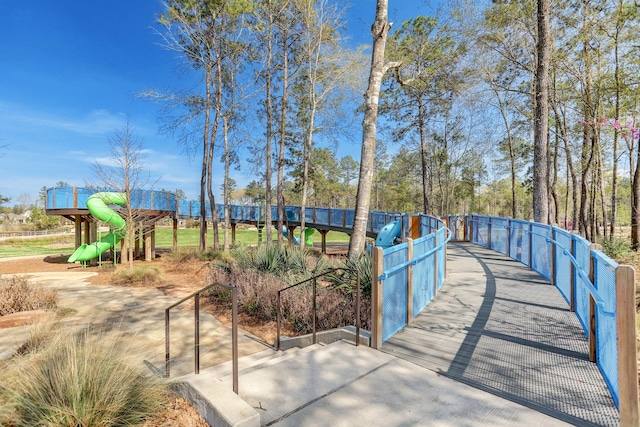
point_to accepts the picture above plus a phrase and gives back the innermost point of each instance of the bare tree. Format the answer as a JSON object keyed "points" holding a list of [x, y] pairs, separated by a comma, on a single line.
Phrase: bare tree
{"points": [[124, 170]]}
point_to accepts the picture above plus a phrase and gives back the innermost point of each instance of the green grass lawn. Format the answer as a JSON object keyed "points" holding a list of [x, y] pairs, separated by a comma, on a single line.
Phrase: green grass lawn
{"points": [[187, 237]]}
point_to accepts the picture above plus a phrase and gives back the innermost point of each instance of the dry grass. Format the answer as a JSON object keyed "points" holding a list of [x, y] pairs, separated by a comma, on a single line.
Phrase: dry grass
{"points": [[18, 294], [138, 275], [76, 379]]}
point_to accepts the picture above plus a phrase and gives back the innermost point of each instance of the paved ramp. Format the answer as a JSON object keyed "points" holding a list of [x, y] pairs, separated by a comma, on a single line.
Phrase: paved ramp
{"points": [[500, 327]]}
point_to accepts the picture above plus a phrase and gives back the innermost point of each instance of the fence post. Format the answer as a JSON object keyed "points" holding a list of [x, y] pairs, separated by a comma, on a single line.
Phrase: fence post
{"points": [[409, 242], [508, 243], [435, 265], [553, 256], [572, 290], [376, 298], [627, 353], [530, 233], [488, 232], [593, 345]]}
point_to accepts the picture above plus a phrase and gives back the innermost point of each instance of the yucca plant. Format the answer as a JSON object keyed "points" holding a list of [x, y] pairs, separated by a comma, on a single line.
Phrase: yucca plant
{"points": [[348, 279]]}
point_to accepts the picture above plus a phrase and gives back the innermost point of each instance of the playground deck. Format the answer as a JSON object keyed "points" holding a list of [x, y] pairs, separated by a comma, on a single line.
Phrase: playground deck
{"points": [[500, 327]]}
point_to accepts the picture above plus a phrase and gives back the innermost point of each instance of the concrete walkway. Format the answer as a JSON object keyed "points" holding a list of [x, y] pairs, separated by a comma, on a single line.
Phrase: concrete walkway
{"points": [[137, 316]]}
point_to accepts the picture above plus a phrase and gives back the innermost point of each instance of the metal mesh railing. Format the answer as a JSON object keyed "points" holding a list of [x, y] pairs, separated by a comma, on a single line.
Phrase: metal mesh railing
{"points": [[428, 267], [606, 331], [423, 277], [586, 278], [394, 291], [562, 263]]}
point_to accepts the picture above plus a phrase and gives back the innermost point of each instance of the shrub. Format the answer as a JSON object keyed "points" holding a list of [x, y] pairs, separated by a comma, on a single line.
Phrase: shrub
{"points": [[146, 274], [616, 248], [18, 294], [183, 255], [348, 279], [79, 380], [288, 262], [258, 294]]}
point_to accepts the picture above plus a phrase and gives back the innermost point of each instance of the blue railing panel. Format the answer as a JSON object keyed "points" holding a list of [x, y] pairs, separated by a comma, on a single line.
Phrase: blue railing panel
{"points": [[563, 265], [519, 241], [582, 292], [499, 234], [322, 216], [607, 331], [423, 280], [394, 291], [541, 249], [336, 217]]}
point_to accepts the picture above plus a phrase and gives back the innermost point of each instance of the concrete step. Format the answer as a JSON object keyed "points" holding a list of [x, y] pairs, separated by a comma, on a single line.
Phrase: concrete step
{"points": [[267, 361], [282, 386]]}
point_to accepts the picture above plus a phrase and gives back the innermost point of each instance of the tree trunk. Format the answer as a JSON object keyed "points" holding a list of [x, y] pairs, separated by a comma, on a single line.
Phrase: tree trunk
{"points": [[283, 133], [541, 125], [205, 155], [269, 133], [227, 159], [423, 156], [379, 29]]}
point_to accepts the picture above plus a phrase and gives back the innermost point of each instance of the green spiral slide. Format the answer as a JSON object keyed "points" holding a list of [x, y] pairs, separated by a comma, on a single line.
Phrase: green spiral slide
{"points": [[98, 206]]}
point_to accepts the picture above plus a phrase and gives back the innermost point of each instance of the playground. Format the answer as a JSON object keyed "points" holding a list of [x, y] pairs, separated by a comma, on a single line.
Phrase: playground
{"points": [[410, 265]]}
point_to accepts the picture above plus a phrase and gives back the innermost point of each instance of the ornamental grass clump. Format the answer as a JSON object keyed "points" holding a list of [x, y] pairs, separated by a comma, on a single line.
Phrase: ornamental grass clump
{"points": [[77, 379], [18, 294], [145, 274]]}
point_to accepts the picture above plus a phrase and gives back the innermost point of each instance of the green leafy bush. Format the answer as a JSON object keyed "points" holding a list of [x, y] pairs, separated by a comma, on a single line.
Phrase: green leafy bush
{"points": [[616, 248], [78, 380]]}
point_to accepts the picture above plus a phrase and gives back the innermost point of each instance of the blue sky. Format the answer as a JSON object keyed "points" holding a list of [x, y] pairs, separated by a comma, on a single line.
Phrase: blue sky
{"points": [[69, 75]]}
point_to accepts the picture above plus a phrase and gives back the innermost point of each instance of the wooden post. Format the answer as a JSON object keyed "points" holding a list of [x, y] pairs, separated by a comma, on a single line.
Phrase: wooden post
{"points": [[153, 242], [147, 245], [593, 345], [93, 236], [627, 353], [323, 235], [233, 234], [376, 298], [78, 230], [87, 232], [409, 280], [137, 240], [175, 234], [124, 251]]}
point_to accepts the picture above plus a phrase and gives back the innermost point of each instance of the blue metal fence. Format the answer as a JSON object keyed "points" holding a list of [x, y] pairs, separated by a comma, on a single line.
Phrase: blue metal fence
{"points": [[394, 291], [585, 277], [423, 273]]}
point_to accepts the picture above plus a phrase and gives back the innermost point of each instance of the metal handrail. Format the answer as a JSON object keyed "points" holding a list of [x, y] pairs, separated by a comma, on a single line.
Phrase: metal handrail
{"points": [[593, 291], [314, 309], [234, 330]]}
